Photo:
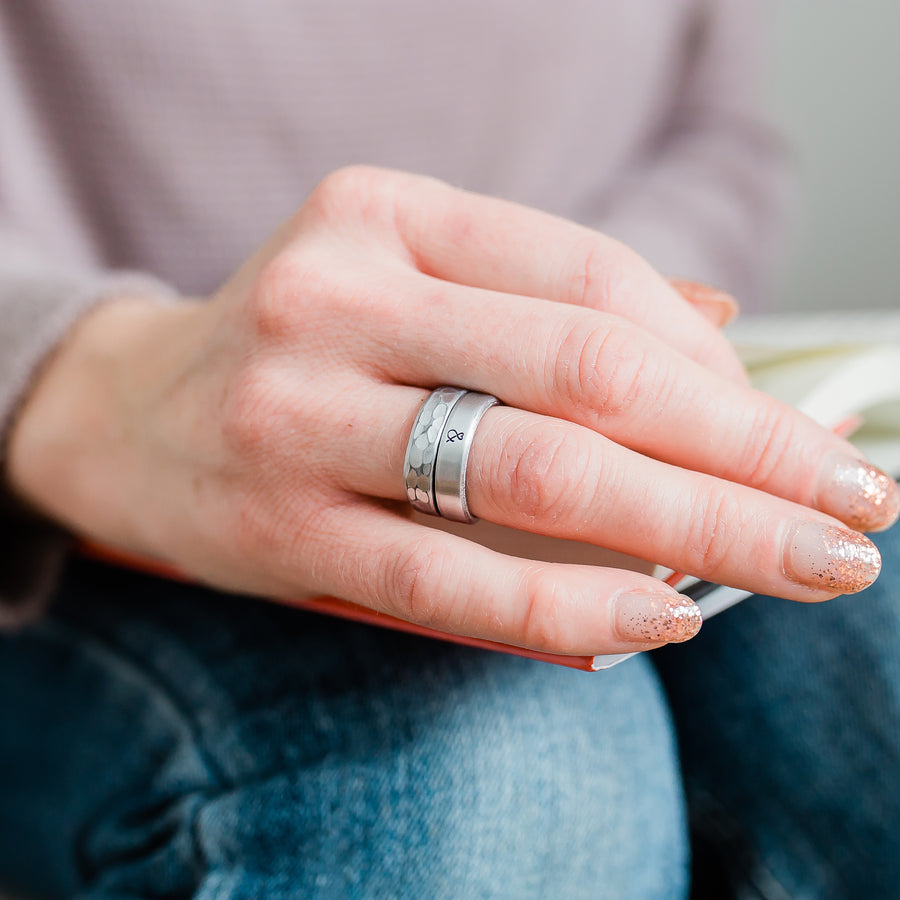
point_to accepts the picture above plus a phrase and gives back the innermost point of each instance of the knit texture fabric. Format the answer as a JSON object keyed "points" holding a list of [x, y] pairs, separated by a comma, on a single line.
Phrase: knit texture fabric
{"points": [[171, 138]]}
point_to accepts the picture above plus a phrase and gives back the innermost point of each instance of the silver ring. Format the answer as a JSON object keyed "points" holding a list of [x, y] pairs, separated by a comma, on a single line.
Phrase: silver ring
{"points": [[421, 450], [453, 455], [438, 451]]}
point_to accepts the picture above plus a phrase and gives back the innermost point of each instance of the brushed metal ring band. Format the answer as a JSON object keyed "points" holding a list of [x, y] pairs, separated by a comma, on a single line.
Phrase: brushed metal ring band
{"points": [[453, 455], [421, 451]]}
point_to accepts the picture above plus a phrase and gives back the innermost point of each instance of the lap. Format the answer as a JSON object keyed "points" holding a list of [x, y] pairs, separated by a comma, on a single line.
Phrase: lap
{"points": [[161, 739], [164, 740]]}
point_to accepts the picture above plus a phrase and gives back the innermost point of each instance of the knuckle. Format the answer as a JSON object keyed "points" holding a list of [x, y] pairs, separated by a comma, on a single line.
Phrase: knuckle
{"points": [[544, 609], [276, 295], [348, 182], [600, 368], [409, 576], [458, 224], [599, 273], [354, 192], [296, 292], [620, 376], [768, 442], [716, 519], [547, 474]]}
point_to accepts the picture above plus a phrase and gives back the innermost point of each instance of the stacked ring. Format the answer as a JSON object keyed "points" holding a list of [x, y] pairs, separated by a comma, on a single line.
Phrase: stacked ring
{"points": [[438, 451]]}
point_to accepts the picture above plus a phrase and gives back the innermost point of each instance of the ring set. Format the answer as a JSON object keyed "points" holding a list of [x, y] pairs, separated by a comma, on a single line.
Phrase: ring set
{"points": [[438, 451]]}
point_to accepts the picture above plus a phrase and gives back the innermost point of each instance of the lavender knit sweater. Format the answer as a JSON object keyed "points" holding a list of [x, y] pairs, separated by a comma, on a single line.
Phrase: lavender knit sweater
{"points": [[146, 145]]}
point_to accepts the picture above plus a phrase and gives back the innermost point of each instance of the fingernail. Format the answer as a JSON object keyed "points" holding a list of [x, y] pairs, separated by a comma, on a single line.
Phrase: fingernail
{"points": [[829, 558], [717, 306], [656, 616], [859, 494]]}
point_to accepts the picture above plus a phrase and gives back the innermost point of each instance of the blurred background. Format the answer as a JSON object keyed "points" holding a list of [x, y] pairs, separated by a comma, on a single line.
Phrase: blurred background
{"points": [[834, 87]]}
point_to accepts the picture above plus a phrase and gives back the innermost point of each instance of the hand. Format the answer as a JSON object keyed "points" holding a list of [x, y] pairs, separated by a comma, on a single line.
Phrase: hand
{"points": [[256, 439]]}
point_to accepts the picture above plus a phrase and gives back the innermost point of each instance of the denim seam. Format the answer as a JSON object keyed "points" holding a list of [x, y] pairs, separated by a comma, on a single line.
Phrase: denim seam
{"points": [[106, 654]]}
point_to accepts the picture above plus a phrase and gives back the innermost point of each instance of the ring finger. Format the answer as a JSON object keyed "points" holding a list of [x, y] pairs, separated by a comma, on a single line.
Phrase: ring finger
{"points": [[552, 477], [600, 371]]}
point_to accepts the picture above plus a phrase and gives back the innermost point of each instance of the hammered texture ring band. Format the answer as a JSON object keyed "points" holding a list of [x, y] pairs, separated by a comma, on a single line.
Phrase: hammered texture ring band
{"points": [[438, 451], [421, 451]]}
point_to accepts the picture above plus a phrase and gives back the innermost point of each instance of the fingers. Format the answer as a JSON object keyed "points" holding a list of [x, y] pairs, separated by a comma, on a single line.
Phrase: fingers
{"points": [[602, 372], [483, 242], [715, 305], [529, 472], [540, 474], [442, 581]]}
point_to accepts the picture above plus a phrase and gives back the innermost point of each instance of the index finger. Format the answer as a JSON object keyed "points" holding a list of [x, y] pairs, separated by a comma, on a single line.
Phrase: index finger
{"points": [[484, 242]]}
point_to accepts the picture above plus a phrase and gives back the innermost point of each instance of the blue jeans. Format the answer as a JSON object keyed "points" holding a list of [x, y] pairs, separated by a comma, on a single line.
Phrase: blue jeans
{"points": [[160, 740]]}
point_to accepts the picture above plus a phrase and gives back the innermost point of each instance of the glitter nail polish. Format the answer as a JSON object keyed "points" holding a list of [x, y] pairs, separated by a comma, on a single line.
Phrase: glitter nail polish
{"points": [[861, 495], [829, 558], [656, 616]]}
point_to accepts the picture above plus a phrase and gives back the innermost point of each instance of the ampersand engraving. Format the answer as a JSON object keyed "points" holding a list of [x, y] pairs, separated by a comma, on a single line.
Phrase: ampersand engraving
{"points": [[454, 435]]}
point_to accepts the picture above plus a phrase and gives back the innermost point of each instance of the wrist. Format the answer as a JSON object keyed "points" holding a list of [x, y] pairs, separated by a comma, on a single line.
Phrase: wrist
{"points": [[74, 446]]}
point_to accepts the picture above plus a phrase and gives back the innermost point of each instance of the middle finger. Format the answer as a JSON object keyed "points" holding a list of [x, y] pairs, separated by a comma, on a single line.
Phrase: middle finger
{"points": [[544, 475], [598, 370]]}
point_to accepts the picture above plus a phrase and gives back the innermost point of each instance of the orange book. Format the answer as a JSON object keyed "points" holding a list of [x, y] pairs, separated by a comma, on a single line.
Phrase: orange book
{"points": [[710, 598]]}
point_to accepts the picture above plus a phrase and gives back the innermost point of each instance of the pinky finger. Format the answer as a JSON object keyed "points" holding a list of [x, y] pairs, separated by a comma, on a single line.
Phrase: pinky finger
{"points": [[393, 565]]}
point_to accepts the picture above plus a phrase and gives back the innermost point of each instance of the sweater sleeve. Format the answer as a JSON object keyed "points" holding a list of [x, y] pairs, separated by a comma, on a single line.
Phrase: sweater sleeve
{"points": [[706, 199], [39, 303]]}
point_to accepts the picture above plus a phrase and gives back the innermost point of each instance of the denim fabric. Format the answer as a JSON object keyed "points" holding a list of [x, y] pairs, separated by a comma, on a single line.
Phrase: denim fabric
{"points": [[789, 721], [165, 741]]}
